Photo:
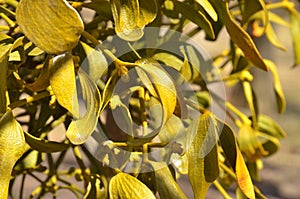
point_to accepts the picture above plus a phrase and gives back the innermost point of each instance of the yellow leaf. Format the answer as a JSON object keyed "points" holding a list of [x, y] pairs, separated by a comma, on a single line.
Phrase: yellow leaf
{"points": [[235, 158], [124, 186], [295, 29], [208, 8], [280, 98], [12, 147], [80, 129], [159, 84], [52, 25], [125, 14], [238, 35], [63, 82]]}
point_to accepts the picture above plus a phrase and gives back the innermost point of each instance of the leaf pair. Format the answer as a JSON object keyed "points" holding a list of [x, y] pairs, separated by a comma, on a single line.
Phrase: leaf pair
{"points": [[131, 16], [203, 160]]}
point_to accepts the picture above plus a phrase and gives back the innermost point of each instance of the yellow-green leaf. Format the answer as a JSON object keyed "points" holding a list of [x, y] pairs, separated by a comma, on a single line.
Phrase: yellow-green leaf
{"points": [[208, 8], [45, 146], [121, 114], [295, 29], [169, 60], [251, 100], [195, 16], [3, 86], [32, 50], [280, 98], [268, 126], [52, 25], [16, 52], [236, 160], [166, 185], [95, 189], [124, 186], [159, 84], [80, 129], [63, 82], [238, 35], [12, 147], [200, 172], [5, 44], [126, 14], [272, 37], [250, 8], [148, 11], [95, 62], [42, 81]]}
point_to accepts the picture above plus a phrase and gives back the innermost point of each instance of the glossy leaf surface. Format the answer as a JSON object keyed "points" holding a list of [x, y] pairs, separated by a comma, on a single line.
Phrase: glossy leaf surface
{"points": [[52, 25]]}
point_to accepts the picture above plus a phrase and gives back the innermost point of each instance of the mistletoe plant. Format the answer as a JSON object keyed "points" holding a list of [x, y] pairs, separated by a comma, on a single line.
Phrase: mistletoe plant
{"points": [[133, 91]]}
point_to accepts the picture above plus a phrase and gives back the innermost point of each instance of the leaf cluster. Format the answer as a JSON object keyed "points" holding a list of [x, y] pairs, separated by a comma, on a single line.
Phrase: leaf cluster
{"points": [[53, 59]]}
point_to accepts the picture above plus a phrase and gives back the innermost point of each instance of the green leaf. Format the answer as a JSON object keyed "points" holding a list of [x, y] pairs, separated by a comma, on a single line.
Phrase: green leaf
{"points": [[108, 91], [131, 16], [169, 60], [251, 100], [238, 35], [295, 29], [95, 189], [32, 50], [166, 186], [95, 62], [195, 16], [60, 29], [120, 110], [202, 173], [42, 81], [236, 160], [3, 86], [80, 129], [272, 37], [269, 143], [17, 52], [124, 186], [125, 14], [268, 126], [12, 147], [63, 82], [252, 7], [5, 45], [208, 8], [45, 146], [280, 98], [148, 11], [159, 84]]}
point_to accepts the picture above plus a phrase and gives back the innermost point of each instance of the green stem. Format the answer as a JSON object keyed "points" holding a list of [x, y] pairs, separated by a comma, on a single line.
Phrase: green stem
{"points": [[99, 45], [221, 190], [29, 99]]}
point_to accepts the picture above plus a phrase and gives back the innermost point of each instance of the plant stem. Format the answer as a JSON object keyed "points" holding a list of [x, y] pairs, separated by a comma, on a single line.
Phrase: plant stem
{"points": [[221, 190], [30, 99], [99, 45]]}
